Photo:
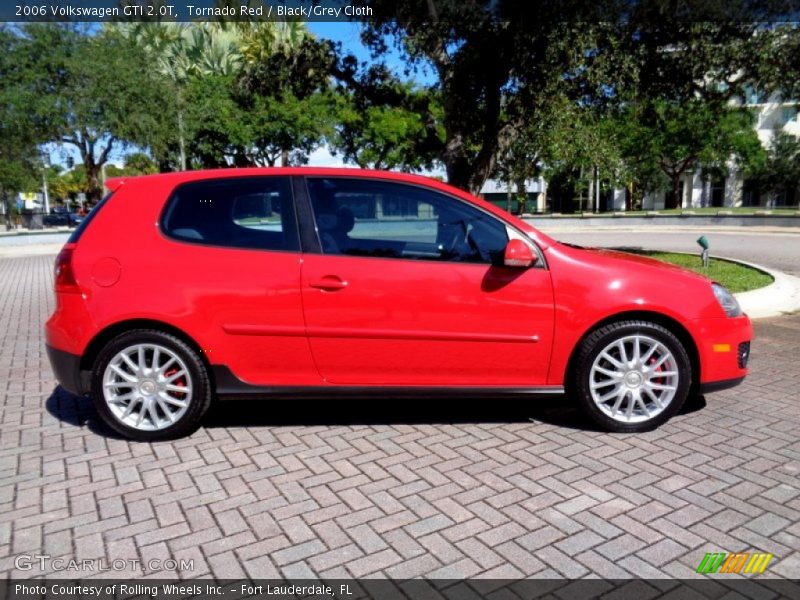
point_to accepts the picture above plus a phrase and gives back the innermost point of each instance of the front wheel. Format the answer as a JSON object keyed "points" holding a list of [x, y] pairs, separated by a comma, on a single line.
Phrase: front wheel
{"points": [[632, 376], [150, 385]]}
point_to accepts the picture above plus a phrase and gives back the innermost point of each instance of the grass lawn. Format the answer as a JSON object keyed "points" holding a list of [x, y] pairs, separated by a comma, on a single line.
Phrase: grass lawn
{"points": [[735, 277]]}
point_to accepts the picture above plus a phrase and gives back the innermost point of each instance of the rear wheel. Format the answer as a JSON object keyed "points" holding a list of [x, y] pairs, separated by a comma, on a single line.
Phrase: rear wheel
{"points": [[632, 376], [150, 385]]}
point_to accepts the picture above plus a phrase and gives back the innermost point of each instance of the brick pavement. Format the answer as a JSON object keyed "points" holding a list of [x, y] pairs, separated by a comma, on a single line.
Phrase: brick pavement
{"points": [[365, 489]]}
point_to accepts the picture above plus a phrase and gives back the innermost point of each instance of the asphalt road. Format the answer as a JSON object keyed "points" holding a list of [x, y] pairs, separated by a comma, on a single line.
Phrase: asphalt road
{"points": [[779, 251]]}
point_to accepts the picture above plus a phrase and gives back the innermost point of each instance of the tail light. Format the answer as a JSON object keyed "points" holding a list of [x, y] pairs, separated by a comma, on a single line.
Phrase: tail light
{"points": [[64, 276]]}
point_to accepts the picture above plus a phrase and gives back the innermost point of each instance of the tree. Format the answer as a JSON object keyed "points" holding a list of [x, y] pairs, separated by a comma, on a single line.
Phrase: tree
{"points": [[139, 163], [495, 63], [780, 171], [695, 49], [20, 133], [672, 72], [384, 123], [228, 125], [63, 185], [286, 129], [784, 66], [180, 52], [92, 93], [284, 89], [639, 169], [241, 90], [581, 150], [379, 137], [681, 138], [216, 127]]}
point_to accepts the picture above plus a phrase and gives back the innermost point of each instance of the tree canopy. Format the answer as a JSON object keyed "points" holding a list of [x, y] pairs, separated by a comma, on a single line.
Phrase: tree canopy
{"points": [[635, 94]]}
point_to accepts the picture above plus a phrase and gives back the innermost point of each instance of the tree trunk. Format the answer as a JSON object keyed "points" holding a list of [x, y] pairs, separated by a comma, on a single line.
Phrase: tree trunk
{"points": [[7, 205], [181, 141], [597, 190], [94, 190], [675, 200], [181, 131], [629, 198], [456, 165], [522, 195]]}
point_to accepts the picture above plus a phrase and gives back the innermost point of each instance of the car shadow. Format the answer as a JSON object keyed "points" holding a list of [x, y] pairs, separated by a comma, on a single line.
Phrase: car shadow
{"points": [[380, 411], [78, 411]]}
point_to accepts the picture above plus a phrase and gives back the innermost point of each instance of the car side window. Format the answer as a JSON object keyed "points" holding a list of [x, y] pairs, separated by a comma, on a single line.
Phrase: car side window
{"points": [[242, 212], [360, 217]]}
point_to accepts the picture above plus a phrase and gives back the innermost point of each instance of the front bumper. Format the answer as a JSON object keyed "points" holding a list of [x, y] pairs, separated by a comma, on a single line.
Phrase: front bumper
{"points": [[723, 346], [717, 386], [67, 369]]}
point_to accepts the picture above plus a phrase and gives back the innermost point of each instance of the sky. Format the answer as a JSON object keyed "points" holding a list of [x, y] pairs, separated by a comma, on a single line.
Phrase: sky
{"points": [[348, 34]]}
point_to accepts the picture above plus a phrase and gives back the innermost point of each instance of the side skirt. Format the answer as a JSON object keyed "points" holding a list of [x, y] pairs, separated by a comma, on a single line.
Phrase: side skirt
{"points": [[230, 387]]}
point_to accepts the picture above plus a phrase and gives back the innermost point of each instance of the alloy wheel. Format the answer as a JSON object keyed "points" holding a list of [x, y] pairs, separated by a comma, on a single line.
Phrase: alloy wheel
{"points": [[147, 387], [634, 379]]}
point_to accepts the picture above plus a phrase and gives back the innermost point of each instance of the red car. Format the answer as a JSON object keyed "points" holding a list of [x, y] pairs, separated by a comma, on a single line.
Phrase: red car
{"points": [[306, 282]]}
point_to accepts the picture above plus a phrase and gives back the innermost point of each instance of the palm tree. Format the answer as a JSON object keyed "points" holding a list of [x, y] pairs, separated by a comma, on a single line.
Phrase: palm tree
{"points": [[183, 50], [180, 51]]}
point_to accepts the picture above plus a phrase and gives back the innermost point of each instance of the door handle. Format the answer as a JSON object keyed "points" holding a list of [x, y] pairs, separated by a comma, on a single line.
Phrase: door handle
{"points": [[329, 283]]}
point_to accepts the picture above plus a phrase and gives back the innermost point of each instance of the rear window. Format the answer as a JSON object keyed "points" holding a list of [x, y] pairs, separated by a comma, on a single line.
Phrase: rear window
{"points": [[76, 235], [253, 213]]}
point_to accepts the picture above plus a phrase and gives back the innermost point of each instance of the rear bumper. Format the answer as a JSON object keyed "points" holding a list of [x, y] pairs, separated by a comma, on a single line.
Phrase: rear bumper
{"points": [[67, 369]]}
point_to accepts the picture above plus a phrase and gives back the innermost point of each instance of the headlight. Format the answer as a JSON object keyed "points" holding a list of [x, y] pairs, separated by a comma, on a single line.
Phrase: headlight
{"points": [[726, 300]]}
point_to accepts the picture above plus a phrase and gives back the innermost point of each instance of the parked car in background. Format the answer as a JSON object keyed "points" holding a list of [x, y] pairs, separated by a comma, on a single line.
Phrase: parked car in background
{"points": [[61, 217], [302, 282]]}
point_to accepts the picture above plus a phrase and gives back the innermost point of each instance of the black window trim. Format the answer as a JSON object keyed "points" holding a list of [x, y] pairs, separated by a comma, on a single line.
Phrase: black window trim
{"points": [[309, 223], [160, 225]]}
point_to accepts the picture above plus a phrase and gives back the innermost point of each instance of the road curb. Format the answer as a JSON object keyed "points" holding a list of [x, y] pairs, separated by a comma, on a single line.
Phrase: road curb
{"points": [[781, 297], [21, 250]]}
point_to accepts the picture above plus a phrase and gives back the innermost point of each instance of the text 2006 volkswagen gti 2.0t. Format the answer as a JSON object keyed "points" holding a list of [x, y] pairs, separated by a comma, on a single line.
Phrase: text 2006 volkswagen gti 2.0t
{"points": [[184, 288]]}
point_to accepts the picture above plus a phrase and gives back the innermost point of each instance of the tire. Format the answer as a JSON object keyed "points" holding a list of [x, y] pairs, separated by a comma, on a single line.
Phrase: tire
{"points": [[168, 402], [608, 382]]}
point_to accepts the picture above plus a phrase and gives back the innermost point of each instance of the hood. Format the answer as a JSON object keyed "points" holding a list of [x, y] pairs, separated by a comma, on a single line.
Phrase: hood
{"points": [[618, 282], [622, 258]]}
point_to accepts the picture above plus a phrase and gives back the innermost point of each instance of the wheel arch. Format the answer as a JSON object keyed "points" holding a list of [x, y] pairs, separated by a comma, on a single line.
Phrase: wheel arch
{"points": [[665, 321], [105, 335]]}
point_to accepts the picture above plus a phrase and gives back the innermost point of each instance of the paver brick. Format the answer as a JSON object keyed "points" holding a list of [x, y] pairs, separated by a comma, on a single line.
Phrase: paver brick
{"points": [[517, 497], [662, 552]]}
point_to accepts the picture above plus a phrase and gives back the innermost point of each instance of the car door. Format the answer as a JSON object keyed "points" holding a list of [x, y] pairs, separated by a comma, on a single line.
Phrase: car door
{"points": [[405, 292], [233, 243]]}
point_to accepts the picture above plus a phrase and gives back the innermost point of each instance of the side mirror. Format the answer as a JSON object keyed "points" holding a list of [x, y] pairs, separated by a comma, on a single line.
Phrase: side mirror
{"points": [[518, 254]]}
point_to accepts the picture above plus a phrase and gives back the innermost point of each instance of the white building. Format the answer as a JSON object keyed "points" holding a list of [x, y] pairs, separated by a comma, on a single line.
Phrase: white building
{"points": [[504, 195]]}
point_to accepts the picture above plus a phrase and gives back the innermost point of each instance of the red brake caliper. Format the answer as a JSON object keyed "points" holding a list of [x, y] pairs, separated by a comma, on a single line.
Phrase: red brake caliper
{"points": [[180, 381]]}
